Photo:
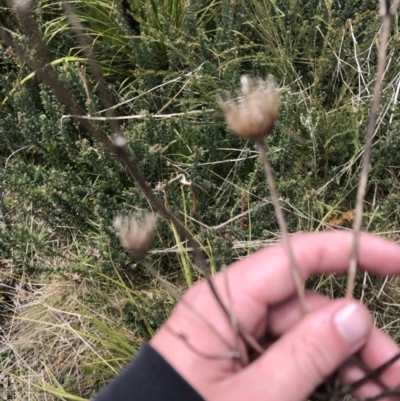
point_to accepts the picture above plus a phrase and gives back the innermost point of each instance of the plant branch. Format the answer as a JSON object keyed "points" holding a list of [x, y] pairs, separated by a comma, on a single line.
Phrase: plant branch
{"points": [[232, 354], [387, 16], [171, 289], [46, 73], [174, 292], [138, 116], [282, 225], [87, 51], [368, 376]]}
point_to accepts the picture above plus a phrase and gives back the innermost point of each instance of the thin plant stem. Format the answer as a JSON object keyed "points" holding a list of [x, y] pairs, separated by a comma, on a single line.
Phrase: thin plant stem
{"points": [[282, 225], [386, 393], [127, 161], [173, 291], [46, 73], [231, 354], [139, 116], [234, 322], [387, 16], [370, 375], [87, 51]]}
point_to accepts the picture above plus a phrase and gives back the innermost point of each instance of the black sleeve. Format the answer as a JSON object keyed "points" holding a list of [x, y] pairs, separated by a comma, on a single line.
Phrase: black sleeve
{"points": [[148, 377]]}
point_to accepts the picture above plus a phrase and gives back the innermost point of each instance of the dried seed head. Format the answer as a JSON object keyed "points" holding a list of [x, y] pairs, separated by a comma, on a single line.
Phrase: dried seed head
{"points": [[254, 113], [136, 234], [22, 4]]}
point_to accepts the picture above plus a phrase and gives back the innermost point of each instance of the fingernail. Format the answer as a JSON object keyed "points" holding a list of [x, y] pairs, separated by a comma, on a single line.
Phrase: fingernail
{"points": [[352, 324]]}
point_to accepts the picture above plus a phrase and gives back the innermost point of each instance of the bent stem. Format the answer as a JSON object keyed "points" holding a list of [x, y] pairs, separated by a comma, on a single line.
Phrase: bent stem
{"points": [[337, 392], [282, 225], [41, 65], [174, 292], [387, 16], [171, 289]]}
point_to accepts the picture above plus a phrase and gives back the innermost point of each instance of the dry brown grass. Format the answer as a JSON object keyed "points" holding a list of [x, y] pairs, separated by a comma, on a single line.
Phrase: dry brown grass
{"points": [[52, 347]]}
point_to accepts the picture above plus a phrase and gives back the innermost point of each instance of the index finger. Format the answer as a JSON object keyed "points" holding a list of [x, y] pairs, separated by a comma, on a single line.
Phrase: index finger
{"points": [[266, 275]]}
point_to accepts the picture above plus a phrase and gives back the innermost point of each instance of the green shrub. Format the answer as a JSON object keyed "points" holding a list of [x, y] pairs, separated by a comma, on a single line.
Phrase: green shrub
{"points": [[64, 179]]}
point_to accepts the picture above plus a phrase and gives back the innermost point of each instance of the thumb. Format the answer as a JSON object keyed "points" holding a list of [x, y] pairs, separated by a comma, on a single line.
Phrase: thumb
{"points": [[303, 357]]}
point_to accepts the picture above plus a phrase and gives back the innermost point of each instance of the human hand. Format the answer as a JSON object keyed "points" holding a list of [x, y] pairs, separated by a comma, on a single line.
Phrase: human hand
{"points": [[261, 292]]}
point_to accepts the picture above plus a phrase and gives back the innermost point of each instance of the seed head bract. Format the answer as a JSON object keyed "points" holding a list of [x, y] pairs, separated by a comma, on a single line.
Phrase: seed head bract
{"points": [[253, 114], [136, 234]]}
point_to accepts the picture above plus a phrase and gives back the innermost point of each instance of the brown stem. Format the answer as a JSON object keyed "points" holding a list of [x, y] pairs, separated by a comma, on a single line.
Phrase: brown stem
{"points": [[232, 354], [387, 16], [282, 225], [351, 387], [87, 51], [171, 289], [46, 73], [386, 393]]}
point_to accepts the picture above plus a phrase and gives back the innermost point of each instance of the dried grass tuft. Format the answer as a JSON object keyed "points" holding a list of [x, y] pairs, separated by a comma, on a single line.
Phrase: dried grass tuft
{"points": [[53, 348]]}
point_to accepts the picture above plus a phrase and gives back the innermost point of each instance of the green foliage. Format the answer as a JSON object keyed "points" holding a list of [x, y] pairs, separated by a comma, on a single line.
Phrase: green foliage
{"points": [[62, 170], [146, 317], [324, 62]]}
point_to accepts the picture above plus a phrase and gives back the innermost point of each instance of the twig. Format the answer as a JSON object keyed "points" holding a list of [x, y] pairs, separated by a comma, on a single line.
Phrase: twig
{"points": [[359, 70], [238, 216], [129, 164], [13, 153], [282, 225], [177, 79], [387, 15], [385, 393], [171, 289], [364, 286], [370, 375], [87, 51], [174, 292], [184, 232], [45, 72], [236, 246], [232, 354], [234, 322], [137, 116]]}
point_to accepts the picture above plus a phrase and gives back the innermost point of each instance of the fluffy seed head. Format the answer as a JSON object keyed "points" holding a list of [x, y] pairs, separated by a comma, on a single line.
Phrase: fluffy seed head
{"points": [[22, 4], [136, 234], [254, 113]]}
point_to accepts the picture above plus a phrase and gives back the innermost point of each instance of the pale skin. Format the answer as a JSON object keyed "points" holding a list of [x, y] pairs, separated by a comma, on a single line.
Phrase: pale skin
{"points": [[262, 295]]}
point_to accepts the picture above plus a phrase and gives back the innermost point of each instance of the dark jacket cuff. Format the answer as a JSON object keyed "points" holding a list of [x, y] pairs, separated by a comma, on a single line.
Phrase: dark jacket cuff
{"points": [[149, 377]]}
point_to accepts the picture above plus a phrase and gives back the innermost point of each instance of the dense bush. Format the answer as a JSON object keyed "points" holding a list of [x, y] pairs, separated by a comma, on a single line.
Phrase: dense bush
{"points": [[54, 172]]}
